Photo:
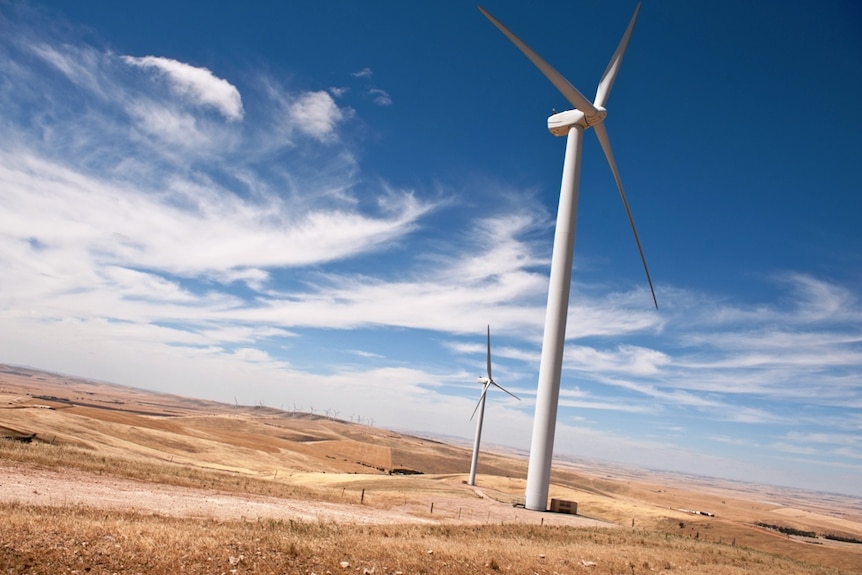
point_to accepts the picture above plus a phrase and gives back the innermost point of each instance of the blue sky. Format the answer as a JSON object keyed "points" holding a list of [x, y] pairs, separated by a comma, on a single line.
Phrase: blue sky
{"points": [[322, 205]]}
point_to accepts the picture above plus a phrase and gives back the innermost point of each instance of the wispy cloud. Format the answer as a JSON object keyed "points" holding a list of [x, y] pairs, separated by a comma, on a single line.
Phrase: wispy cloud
{"points": [[79, 64], [168, 124], [380, 97], [198, 85], [188, 229], [628, 359]]}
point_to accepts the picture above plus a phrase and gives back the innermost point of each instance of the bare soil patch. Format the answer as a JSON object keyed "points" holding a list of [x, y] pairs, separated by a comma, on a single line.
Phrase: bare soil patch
{"points": [[30, 485]]}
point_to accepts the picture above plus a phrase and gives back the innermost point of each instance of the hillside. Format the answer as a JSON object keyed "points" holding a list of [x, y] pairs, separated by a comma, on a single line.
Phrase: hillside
{"points": [[333, 457]]}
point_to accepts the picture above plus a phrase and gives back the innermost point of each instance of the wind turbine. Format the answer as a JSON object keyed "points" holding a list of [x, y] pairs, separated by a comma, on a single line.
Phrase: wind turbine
{"points": [[572, 124], [480, 407]]}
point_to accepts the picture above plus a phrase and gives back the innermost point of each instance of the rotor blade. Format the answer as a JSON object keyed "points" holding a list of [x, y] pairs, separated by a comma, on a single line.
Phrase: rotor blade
{"points": [[614, 65], [602, 135], [489, 352], [501, 388], [481, 397], [566, 89]]}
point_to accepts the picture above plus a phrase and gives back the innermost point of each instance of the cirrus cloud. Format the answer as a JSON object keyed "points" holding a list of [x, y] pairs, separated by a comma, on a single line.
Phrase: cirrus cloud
{"points": [[198, 85]]}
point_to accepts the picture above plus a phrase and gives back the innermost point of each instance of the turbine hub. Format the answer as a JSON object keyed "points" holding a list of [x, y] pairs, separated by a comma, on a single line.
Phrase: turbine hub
{"points": [[559, 124], [598, 117]]}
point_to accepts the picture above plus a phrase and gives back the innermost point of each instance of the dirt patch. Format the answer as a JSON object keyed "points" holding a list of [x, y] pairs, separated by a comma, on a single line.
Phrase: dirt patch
{"points": [[31, 485]]}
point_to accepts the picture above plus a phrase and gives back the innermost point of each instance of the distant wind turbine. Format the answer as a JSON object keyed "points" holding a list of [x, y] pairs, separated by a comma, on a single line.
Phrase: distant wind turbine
{"points": [[571, 123], [480, 407]]}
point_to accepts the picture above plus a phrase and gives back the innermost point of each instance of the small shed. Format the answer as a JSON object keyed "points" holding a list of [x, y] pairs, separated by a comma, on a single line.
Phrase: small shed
{"points": [[564, 506]]}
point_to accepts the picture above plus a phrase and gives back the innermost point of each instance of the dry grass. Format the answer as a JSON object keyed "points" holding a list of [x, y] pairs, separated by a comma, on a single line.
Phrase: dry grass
{"points": [[75, 539], [103, 430], [67, 457], [67, 539]]}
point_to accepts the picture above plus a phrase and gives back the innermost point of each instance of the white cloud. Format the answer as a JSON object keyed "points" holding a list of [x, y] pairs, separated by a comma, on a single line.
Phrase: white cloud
{"points": [[142, 285], [607, 405], [216, 232], [226, 333], [255, 278], [380, 97], [198, 85], [168, 124], [251, 355], [633, 360], [818, 300], [80, 65], [316, 115], [366, 354], [611, 315]]}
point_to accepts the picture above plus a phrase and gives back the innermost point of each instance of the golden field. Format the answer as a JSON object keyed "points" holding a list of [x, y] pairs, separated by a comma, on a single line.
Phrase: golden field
{"points": [[119, 480]]}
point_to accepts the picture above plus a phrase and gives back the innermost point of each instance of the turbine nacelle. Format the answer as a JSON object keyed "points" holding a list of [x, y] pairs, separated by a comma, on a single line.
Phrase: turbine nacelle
{"points": [[484, 380], [560, 123]]}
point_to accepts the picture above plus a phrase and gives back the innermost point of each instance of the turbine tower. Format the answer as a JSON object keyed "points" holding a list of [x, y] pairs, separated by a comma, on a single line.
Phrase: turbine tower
{"points": [[572, 124], [480, 407]]}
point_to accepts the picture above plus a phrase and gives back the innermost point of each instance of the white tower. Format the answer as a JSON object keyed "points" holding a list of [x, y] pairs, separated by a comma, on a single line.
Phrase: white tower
{"points": [[572, 124]]}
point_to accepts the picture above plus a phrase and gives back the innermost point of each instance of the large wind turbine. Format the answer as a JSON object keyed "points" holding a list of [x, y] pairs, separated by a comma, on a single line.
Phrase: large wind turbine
{"points": [[572, 124], [480, 407]]}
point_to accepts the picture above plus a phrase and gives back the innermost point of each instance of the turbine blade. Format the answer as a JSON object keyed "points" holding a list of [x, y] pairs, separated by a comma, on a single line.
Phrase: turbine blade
{"points": [[571, 93], [489, 352], [501, 388], [481, 397], [614, 65], [602, 135]]}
